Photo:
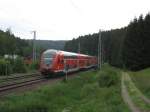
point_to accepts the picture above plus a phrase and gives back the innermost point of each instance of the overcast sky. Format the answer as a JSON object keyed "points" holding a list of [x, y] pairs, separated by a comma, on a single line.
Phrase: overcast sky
{"points": [[67, 19]]}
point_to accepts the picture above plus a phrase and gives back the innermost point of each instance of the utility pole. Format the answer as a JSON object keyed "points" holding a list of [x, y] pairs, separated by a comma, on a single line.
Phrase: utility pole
{"points": [[34, 46], [79, 46], [99, 50], [79, 51]]}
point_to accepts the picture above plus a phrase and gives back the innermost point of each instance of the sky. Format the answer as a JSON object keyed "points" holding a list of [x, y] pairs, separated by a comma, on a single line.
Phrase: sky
{"points": [[67, 19]]}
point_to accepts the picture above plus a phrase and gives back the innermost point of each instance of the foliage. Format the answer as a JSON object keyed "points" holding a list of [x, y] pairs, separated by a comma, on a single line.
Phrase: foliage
{"points": [[33, 65], [9, 66], [136, 53], [51, 44], [5, 67], [79, 94], [135, 94], [108, 78], [19, 66], [127, 47], [9, 44], [142, 80], [111, 45]]}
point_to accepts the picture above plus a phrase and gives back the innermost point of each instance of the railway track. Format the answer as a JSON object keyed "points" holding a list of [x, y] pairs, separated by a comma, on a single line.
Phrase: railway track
{"points": [[7, 84], [11, 84], [16, 77]]}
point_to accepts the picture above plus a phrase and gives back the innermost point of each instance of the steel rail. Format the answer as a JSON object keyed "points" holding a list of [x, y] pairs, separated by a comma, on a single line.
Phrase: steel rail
{"points": [[21, 84]]}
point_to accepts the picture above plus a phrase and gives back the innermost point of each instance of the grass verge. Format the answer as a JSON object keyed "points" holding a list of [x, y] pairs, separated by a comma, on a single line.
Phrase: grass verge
{"points": [[135, 94], [142, 80], [80, 94]]}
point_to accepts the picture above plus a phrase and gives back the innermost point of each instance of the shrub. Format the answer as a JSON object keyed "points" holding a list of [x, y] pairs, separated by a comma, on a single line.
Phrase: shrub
{"points": [[108, 78], [5, 67], [34, 65], [88, 90], [19, 66]]}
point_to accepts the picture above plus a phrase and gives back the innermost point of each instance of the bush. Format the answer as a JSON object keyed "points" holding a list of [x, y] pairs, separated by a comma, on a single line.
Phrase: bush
{"points": [[88, 90], [8, 66], [19, 66], [34, 65], [5, 67], [108, 78]]}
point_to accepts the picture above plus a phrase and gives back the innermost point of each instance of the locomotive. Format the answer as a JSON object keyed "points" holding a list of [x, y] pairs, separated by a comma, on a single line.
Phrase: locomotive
{"points": [[57, 61]]}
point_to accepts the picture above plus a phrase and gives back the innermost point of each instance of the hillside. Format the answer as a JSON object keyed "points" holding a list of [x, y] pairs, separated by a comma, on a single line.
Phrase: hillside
{"points": [[10, 44], [50, 44], [42, 45]]}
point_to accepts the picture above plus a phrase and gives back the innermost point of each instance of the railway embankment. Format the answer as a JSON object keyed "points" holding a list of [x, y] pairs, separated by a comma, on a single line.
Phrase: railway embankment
{"points": [[92, 91]]}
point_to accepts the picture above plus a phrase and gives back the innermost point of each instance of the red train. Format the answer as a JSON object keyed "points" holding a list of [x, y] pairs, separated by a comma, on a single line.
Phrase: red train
{"points": [[56, 61]]}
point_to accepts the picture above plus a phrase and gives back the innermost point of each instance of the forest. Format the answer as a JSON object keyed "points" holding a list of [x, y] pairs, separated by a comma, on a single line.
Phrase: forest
{"points": [[127, 47]]}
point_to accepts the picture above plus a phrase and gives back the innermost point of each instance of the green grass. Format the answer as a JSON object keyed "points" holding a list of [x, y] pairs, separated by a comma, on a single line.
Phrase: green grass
{"points": [[135, 94], [142, 80], [80, 94]]}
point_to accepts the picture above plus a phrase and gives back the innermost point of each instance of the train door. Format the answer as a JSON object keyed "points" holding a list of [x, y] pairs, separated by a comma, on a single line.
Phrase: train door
{"points": [[60, 63]]}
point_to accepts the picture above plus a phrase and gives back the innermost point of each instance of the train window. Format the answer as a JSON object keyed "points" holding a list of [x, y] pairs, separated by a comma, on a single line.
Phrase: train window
{"points": [[70, 57], [48, 61], [49, 55]]}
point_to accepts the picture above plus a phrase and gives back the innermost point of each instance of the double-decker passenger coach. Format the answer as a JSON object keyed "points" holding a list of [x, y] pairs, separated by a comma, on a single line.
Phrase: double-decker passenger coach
{"points": [[57, 61]]}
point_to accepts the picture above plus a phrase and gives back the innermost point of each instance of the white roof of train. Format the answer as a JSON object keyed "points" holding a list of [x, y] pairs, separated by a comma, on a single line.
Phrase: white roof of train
{"points": [[65, 52]]}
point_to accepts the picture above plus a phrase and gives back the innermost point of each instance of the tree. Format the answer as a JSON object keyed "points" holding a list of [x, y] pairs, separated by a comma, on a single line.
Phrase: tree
{"points": [[136, 53]]}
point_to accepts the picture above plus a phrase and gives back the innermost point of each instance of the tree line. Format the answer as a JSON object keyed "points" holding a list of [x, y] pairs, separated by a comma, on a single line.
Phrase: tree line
{"points": [[127, 47], [9, 44], [16, 50]]}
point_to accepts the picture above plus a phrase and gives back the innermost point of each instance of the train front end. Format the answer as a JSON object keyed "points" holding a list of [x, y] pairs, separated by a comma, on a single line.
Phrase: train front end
{"points": [[47, 62]]}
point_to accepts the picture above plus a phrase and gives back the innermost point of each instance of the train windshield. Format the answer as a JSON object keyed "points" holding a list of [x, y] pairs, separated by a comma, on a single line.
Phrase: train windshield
{"points": [[48, 57], [48, 61]]}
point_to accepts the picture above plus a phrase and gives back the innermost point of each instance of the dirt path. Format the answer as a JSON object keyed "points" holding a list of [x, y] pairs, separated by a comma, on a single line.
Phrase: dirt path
{"points": [[126, 96]]}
